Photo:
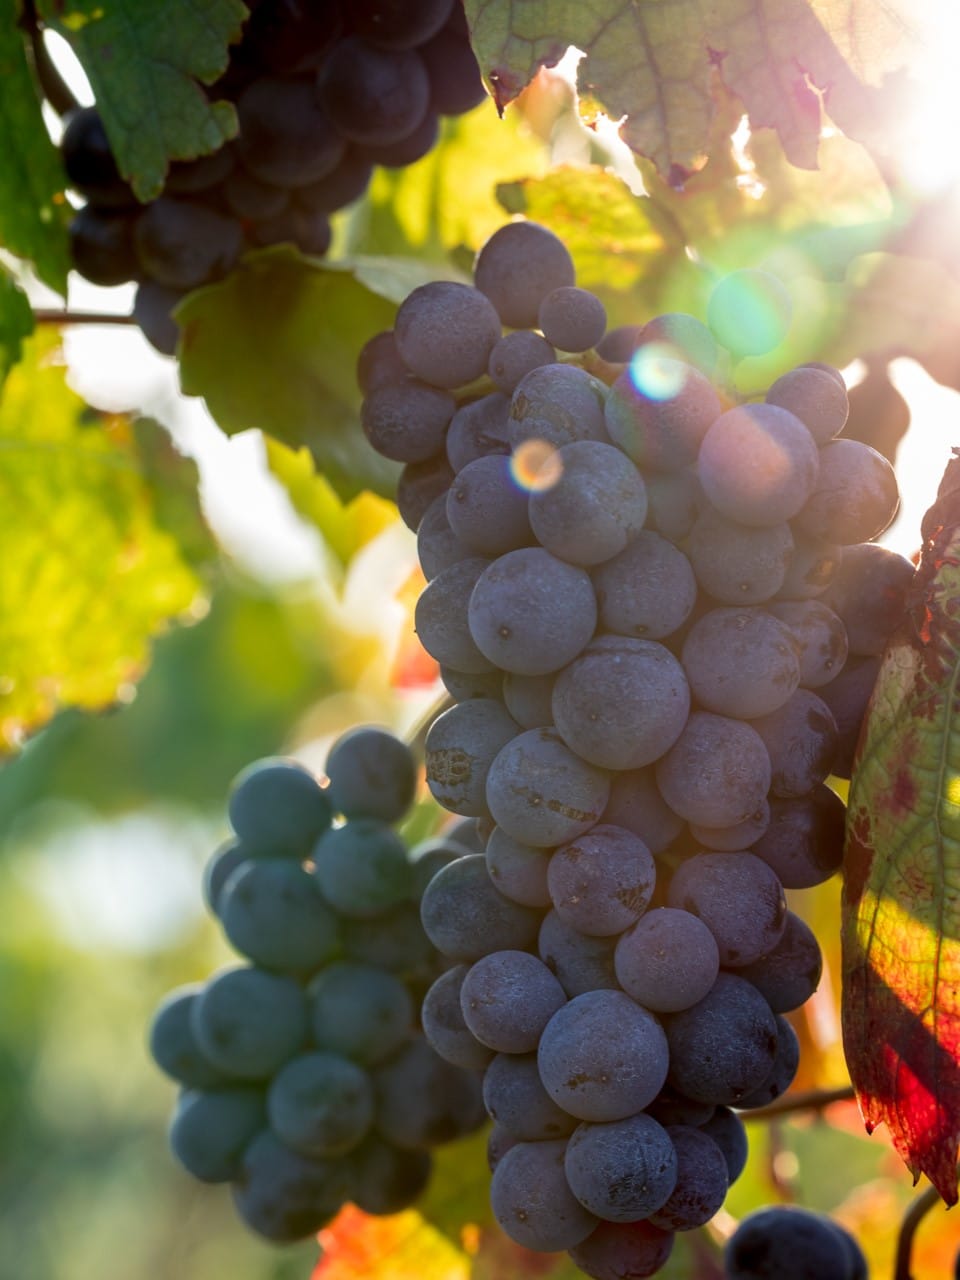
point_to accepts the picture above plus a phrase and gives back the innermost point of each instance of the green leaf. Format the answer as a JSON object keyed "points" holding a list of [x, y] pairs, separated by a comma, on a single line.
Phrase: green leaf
{"points": [[144, 62], [660, 66], [901, 897], [275, 346], [16, 323], [33, 211], [90, 568]]}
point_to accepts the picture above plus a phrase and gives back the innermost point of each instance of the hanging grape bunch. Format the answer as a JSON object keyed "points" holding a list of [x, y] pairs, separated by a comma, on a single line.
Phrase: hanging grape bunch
{"points": [[659, 613], [305, 1081], [323, 93]]}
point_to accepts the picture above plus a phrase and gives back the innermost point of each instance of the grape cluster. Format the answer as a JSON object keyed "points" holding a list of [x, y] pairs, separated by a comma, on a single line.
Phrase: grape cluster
{"points": [[323, 92], [305, 1080], [659, 614]]}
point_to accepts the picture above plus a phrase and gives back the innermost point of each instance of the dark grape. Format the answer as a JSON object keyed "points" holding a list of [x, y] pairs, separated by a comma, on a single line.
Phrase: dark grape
{"points": [[445, 332], [517, 267], [373, 96], [572, 319], [372, 775]]}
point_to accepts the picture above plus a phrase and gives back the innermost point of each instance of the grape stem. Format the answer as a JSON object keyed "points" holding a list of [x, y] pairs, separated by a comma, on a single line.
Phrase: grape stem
{"points": [[55, 89], [51, 315], [804, 1100], [908, 1229]]}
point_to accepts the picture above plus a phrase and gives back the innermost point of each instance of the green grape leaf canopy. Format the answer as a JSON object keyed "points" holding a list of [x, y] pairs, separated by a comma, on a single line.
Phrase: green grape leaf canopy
{"points": [[33, 211], [93, 510], [658, 66], [147, 64], [16, 323], [901, 899]]}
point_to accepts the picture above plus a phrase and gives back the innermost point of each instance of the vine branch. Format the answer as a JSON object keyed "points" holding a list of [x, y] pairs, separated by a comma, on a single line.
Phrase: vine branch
{"points": [[908, 1229], [51, 315], [804, 1100]]}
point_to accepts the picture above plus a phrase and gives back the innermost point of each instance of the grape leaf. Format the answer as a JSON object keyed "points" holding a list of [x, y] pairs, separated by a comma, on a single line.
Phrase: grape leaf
{"points": [[33, 211], [658, 65], [144, 62], [92, 566], [275, 346], [16, 323], [901, 899]]}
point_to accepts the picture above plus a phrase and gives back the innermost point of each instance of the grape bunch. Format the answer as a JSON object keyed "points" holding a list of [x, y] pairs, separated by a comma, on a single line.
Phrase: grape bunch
{"points": [[659, 614], [323, 92], [304, 1078]]}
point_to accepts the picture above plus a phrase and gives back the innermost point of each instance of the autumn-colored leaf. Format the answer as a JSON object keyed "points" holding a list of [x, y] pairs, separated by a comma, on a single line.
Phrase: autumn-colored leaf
{"points": [[901, 901], [659, 65]]}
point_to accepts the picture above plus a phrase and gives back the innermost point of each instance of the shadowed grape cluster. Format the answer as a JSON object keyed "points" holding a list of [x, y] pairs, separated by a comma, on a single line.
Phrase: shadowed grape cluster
{"points": [[659, 613], [304, 1078]]}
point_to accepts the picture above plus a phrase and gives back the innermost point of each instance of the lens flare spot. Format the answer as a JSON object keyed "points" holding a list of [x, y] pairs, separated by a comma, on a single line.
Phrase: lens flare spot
{"points": [[658, 371], [536, 466]]}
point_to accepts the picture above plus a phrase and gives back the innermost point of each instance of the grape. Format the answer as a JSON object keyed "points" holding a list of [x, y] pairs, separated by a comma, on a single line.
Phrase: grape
{"points": [[517, 870], [459, 749], [690, 339], [373, 96], [273, 912], [667, 961], [321, 1104], [398, 24], [530, 612], [618, 345], [344, 184], [507, 998], [674, 502], [387, 1180], [277, 808], [515, 1099], [741, 662], [419, 484], [670, 1107], [88, 159], [499, 1142], [455, 82], [749, 312], [785, 1242], [222, 864], [379, 363], [486, 508], [623, 1251], [801, 740], [517, 267], [758, 464], [413, 146], [465, 917], [183, 245], [153, 307], [466, 832], [737, 564], [723, 1047], [596, 507], [788, 975], [462, 687], [249, 197], [581, 963], [438, 547], [557, 404], [738, 897], [636, 803], [572, 319], [812, 568], [359, 1012], [362, 868], [648, 590], [532, 1201], [310, 232], [737, 837], [821, 636], [529, 699], [659, 411], [515, 355], [395, 942], [210, 1130], [622, 703], [247, 1023], [870, 594], [717, 773], [804, 841], [847, 695], [443, 1023], [621, 1171], [727, 1130], [445, 331], [478, 429], [602, 1057], [290, 35], [101, 246], [423, 1101], [816, 398], [407, 421], [286, 1196], [602, 882], [441, 617], [701, 1184], [428, 856], [541, 793], [173, 1043], [855, 497], [782, 1073]]}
